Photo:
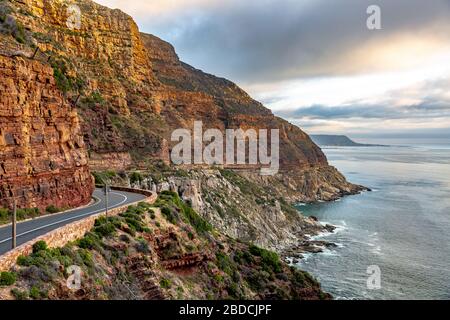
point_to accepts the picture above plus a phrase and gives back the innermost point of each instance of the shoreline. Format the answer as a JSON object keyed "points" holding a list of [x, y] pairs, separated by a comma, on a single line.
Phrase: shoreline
{"points": [[313, 243]]}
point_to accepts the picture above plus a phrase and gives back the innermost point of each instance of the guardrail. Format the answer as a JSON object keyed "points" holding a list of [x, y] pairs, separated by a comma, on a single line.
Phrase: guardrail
{"points": [[70, 232]]}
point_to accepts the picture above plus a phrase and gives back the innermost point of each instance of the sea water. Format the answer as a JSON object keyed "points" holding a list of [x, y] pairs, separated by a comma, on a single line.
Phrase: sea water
{"points": [[402, 226]]}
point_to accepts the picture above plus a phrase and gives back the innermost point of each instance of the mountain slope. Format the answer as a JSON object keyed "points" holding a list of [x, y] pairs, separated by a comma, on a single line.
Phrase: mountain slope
{"points": [[130, 91], [134, 90], [167, 252]]}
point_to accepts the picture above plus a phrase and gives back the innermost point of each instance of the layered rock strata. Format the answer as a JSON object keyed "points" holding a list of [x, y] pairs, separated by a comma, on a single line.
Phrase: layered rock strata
{"points": [[43, 160]]}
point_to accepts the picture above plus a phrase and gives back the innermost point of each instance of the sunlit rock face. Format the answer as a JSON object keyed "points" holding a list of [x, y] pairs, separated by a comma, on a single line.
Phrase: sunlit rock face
{"points": [[131, 91], [43, 160]]}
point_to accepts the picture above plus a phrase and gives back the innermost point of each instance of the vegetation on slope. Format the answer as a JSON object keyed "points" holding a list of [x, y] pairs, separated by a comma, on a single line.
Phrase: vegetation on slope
{"points": [[162, 252], [26, 213]]}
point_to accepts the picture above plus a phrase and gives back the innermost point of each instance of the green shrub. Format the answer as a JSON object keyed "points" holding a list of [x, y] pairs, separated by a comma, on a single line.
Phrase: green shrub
{"points": [[52, 209], [39, 246], [24, 261], [103, 177], [302, 278], [144, 205], [238, 256], [60, 73], [86, 257], [135, 212], [225, 264], [257, 280], [165, 283], [200, 224], [35, 293], [270, 261], [168, 214], [98, 178], [7, 278], [105, 230], [19, 295], [89, 241], [27, 213], [254, 250], [100, 221], [136, 177], [4, 215], [19, 33], [248, 258], [96, 97], [170, 202], [233, 290], [135, 224]]}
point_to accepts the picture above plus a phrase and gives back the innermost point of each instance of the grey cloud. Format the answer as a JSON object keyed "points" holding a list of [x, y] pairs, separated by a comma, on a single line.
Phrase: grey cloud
{"points": [[269, 40], [425, 110]]}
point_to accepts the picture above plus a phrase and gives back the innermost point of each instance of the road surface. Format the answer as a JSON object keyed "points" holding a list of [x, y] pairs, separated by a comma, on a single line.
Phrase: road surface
{"points": [[32, 229]]}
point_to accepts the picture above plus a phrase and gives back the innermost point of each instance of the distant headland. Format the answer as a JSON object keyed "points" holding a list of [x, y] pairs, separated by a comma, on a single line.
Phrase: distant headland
{"points": [[326, 140]]}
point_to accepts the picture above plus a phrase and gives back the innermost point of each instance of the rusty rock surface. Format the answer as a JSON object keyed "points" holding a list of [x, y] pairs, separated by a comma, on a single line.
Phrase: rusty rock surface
{"points": [[43, 160]]}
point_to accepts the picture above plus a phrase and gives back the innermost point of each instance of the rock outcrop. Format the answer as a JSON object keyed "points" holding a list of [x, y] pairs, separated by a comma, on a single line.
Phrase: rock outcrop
{"points": [[135, 91], [43, 160], [165, 252], [242, 204], [131, 91]]}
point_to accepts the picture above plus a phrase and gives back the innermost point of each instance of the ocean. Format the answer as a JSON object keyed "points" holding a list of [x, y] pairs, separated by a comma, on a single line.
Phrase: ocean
{"points": [[402, 226]]}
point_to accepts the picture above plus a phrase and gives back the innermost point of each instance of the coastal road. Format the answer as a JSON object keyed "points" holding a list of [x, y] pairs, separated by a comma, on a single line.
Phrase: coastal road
{"points": [[29, 230]]}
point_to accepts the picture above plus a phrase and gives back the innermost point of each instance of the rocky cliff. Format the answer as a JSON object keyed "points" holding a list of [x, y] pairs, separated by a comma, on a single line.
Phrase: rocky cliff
{"points": [[43, 160], [132, 91], [241, 205]]}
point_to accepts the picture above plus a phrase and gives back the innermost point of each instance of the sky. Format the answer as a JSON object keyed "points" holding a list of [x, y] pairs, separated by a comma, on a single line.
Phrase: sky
{"points": [[315, 62]]}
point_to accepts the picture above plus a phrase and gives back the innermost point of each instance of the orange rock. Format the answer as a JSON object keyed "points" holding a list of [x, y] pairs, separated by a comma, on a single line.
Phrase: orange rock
{"points": [[43, 159]]}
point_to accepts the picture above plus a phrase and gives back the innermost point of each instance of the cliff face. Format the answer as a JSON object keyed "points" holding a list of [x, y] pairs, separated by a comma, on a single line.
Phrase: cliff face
{"points": [[131, 91], [142, 90], [43, 159], [219, 103]]}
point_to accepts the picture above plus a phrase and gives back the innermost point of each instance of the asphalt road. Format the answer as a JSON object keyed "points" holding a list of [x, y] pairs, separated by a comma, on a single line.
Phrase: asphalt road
{"points": [[32, 229]]}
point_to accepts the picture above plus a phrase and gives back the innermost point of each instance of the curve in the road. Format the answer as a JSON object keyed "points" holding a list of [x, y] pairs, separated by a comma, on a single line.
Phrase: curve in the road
{"points": [[31, 229]]}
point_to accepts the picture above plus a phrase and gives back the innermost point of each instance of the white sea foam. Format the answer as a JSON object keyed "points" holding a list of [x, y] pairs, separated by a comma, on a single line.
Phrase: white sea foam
{"points": [[376, 250], [328, 252]]}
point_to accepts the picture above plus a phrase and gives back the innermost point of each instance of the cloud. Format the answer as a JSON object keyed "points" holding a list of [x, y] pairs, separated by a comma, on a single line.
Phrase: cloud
{"points": [[268, 40], [430, 109], [425, 100], [419, 109], [315, 62]]}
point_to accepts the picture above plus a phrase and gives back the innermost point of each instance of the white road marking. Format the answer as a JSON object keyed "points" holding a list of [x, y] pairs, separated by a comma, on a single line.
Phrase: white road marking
{"points": [[68, 219]]}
